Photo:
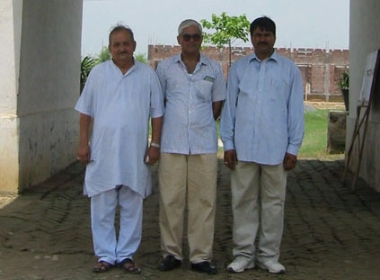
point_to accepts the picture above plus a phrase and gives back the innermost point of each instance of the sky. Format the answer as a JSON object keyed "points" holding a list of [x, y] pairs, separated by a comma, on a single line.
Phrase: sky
{"points": [[299, 23]]}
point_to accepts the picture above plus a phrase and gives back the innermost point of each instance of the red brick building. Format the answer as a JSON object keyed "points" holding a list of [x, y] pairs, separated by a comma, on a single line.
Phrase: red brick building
{"points": [[321, 69]]}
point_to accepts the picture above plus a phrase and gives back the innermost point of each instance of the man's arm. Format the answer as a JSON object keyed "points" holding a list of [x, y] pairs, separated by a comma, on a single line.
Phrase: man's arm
{"points": [[84, 153], [295, 113], [216, 109], [227, 120], [154, 149], [289, 161], [295, 121]]}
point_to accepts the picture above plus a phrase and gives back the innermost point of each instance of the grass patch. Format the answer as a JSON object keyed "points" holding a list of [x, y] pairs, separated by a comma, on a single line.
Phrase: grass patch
{"points": [[315, 139]]}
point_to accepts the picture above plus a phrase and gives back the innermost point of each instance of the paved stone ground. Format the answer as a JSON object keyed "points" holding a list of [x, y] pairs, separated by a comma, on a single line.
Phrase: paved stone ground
{"points": [[330, 232]]}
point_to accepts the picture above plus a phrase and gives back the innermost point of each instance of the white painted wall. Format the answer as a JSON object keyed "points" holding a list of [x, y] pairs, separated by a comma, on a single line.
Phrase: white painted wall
{"points": [[10, 44], [364, 38], [42, 88]]}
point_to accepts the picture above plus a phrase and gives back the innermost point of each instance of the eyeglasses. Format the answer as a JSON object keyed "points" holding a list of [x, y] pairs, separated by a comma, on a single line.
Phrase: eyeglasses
{"points": [[188, 37]]}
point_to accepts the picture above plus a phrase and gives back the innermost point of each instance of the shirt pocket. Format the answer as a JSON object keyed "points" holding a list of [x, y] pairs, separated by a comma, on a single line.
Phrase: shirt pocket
{"points": [[280, 86], [278, 95], [203, 90]]}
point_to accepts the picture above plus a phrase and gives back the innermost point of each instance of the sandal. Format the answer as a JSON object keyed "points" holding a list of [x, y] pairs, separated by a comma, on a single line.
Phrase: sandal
{"points": [[130, 266], [102, 266]]}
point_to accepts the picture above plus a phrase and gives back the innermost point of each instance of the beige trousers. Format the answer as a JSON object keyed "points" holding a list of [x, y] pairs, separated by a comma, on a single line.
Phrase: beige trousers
{"points": [[187, 180], [258, 199]]}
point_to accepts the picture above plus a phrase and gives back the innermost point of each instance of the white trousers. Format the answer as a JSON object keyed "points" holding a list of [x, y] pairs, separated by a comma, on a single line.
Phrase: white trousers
{"points": [[107, 246], [258, 200]]}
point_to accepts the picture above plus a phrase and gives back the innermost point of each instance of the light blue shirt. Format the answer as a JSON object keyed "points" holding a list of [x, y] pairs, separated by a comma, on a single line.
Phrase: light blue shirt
{"points": [[188, 123], [263, 116], [121, 106]]}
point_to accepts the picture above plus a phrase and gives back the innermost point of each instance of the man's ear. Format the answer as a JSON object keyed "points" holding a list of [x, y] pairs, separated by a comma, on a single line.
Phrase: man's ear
{"points": [[134, 46]]}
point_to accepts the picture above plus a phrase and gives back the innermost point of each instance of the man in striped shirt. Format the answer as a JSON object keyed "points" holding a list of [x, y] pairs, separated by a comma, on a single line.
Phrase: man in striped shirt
{"points": [[262, 127], [193, 87]]}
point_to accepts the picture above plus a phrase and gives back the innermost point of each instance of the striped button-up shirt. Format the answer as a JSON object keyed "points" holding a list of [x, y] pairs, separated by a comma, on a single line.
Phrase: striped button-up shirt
{"points": [[188, 124], [263, 116]]}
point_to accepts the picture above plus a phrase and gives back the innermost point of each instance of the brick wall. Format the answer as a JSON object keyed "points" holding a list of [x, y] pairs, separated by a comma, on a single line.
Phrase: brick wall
{"points": [[321, 69]]}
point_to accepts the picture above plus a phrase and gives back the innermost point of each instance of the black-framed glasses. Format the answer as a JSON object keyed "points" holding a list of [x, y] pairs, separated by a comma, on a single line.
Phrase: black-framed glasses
{"points": [[188, 37]]}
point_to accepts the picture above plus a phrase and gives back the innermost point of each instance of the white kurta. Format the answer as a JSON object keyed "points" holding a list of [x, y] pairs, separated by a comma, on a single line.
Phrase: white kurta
{"points": [[120, 106]]}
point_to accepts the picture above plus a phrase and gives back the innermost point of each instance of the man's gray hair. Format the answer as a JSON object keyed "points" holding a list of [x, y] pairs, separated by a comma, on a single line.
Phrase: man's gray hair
{"points": [[189, 22], [120, 27]]}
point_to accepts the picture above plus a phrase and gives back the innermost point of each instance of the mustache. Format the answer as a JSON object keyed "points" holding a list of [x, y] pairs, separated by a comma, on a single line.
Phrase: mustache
{"points": [[263, 43]]}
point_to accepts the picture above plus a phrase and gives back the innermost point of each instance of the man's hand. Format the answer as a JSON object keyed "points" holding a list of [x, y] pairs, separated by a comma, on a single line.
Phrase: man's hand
{"points": [[152, 155], [84, 154], [289, 161], [230, 159]]}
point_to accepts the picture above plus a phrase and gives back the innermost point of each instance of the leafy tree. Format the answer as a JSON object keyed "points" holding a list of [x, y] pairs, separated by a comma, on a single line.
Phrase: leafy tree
{"points": [[344, 83], [87, 63], [141, 57], [104, 54], [226, 29]]}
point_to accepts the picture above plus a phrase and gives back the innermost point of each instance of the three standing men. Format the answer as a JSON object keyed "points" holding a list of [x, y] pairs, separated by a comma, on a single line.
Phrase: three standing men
{"points": [[193, 87], [262, 127]]}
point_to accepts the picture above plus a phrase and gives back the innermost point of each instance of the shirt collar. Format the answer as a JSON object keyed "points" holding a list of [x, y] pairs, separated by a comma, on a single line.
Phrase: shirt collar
{"points": [[202, 59], [274, 56], [129, 70]]}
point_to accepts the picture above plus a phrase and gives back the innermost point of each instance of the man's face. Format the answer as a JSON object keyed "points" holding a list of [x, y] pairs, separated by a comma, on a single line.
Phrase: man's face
{"points": [[122, 46], [190, 40], [263, 42]]}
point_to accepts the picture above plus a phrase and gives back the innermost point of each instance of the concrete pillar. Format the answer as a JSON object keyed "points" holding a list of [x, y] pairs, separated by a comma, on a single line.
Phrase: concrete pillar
{"points": [[364, 27], [10, 38], [40, 42]]}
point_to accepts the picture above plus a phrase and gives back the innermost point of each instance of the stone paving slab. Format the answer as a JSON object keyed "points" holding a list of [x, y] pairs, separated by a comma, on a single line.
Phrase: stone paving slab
{"points": [[330, 232]]}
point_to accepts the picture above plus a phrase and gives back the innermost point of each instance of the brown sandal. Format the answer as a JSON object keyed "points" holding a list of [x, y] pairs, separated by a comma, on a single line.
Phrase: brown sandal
{"points": [[130, 266], [102, 266]]}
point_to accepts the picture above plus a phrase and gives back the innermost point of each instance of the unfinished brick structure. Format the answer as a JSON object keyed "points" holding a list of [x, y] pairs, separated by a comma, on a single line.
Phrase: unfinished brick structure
{"points": [[321, 69]]}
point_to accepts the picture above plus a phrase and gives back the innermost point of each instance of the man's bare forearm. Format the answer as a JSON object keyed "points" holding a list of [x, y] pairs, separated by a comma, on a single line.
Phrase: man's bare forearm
{"points": [[156, 130], [84, 129]]}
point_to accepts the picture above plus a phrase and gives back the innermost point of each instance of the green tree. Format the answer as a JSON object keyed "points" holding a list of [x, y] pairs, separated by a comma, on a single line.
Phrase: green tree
{"points": [[141, 57], [226, 29], [87, 63], [104, 54]]}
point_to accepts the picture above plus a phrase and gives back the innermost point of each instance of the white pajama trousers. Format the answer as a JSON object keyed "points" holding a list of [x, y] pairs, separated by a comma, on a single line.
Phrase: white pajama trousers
{"points": [[107, 246], [258, 200]]}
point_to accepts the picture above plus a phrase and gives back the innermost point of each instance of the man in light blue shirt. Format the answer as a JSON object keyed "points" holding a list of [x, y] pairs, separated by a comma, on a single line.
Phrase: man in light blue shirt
{"points": [[262, 127], [194, 88]]}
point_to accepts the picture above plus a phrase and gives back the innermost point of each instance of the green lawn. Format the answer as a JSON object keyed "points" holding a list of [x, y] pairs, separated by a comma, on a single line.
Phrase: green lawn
{"points": [[315, 139]]}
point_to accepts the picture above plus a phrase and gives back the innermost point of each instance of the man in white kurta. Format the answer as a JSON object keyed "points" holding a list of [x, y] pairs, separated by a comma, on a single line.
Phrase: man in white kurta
{"points": [[121, 106], [120, 97]]}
